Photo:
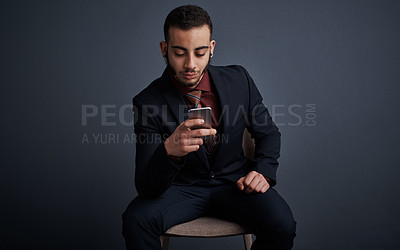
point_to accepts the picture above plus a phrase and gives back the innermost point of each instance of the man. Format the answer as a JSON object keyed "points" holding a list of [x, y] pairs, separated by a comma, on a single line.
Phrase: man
{"points": [[183, 173]]}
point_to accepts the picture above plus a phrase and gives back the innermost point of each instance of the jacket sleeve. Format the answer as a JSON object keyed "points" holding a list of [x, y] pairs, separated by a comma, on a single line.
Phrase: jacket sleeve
{"points": [[154, 170], [265, 134]]}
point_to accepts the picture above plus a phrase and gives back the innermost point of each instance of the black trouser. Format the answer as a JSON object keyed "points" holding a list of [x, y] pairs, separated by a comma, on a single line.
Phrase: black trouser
{"points": [[267, 215]]}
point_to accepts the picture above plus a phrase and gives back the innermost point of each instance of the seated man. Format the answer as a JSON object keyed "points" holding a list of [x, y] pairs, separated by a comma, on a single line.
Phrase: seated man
{"points": [[184, 170]]}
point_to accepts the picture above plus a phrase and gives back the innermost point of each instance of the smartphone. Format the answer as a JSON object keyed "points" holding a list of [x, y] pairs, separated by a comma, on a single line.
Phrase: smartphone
{"points": [[201, 113]]}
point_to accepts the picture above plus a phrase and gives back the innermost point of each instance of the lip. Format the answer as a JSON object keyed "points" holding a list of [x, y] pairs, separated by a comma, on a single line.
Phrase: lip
{"points": [[189, 76]]}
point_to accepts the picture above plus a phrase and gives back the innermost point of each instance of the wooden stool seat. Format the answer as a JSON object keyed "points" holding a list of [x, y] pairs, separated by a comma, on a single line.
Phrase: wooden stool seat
{"points": [[205, 227]]}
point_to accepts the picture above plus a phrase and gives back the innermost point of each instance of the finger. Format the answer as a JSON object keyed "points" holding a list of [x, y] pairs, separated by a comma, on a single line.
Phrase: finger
{"points": [[191, 148], [255, 178], [251, 187], [202, 132], [192, 122], [192, 141], [239, 183], [265, 188], [259, 187], [249, 178]]}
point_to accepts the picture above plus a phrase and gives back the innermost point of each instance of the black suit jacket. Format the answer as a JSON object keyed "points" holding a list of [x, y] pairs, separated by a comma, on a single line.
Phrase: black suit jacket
{"points": [[160, 108]]}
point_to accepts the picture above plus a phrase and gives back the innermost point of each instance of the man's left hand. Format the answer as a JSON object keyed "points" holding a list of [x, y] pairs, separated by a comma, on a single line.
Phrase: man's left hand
{"points": [[253, 182]]}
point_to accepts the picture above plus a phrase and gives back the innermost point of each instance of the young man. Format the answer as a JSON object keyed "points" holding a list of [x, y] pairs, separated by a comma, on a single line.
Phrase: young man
{"points": [[183, 171]]}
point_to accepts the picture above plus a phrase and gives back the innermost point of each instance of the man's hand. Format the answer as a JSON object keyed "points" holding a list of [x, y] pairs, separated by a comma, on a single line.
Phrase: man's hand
{"points": [[185, 140], [253, 182]]}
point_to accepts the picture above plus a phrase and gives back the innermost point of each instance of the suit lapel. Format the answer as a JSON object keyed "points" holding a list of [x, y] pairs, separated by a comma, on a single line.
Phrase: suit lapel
{"points": [[222, 86], [174, 102]]}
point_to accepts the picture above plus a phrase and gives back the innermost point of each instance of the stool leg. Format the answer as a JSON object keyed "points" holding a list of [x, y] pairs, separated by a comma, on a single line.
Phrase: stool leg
{"points": [[165, 242], [248, 241]]}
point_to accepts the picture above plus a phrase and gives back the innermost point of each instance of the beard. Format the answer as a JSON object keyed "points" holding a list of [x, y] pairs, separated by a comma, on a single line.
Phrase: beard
{"points": [[175, 73]]}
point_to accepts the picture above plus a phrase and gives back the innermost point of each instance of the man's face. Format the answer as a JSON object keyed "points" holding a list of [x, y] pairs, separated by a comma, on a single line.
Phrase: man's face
{"points": [[188, 53]]}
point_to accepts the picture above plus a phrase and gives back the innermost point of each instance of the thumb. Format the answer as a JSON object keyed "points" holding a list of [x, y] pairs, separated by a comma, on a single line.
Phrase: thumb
{"points": [[240, 184]]}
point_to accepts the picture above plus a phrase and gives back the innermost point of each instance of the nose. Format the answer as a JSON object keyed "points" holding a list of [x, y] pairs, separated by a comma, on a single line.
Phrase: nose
{"points": [[189, 63]]}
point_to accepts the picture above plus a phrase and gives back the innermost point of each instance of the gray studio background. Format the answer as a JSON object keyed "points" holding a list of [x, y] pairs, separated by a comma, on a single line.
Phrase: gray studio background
{"points": [[328, 71]]}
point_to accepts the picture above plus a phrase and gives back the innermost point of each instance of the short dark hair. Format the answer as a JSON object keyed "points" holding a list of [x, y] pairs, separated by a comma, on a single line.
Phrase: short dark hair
{"points": [[187, 17]]}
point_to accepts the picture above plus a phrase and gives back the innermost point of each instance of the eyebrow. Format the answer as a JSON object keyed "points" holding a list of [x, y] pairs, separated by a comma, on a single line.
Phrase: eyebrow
{"points": [[184, 49]]}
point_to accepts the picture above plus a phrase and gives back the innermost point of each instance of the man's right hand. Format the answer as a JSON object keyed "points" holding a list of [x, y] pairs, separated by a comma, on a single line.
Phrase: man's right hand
{"points": [[185, 140]]}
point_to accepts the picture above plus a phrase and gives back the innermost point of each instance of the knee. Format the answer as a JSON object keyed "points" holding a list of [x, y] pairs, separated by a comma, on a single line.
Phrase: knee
{"points": [[282, 226], [281, 220], [286, 228], [283, 229], [278, 234]]}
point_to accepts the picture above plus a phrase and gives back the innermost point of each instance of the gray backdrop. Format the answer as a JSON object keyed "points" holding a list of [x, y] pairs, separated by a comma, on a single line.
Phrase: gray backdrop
{"points": [[328, 71]]}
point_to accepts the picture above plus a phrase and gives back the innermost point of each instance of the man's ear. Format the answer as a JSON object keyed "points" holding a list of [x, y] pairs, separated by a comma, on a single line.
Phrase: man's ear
{"points": [[212, 46], [164, 48]]}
